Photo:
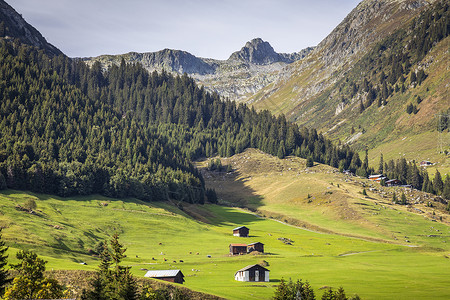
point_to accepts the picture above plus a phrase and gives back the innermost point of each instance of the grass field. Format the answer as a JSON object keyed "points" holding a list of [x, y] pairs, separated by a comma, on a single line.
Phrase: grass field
{"points": [[345, 239]]}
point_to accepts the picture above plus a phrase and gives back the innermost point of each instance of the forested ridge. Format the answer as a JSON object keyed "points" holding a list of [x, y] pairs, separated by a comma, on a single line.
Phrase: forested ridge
{"points": [[68, 129], [391, 66]]}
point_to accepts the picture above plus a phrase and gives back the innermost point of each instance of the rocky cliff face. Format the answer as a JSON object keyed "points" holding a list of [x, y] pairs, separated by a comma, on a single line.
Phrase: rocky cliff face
{"points": [[246, 71], [14, 27]]}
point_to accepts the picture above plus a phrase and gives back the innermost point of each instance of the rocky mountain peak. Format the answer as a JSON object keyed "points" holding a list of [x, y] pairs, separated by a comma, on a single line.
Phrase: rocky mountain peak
{"points": [[13, 26], [257, 52]]}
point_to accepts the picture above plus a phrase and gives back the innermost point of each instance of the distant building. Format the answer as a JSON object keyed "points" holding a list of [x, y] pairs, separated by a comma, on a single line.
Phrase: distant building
{"points": [[347, 172], [377, 178], [236, 249], [393, 182], [175, 276], [255, 247], [241, 231], [425, 163], [255, 273]]}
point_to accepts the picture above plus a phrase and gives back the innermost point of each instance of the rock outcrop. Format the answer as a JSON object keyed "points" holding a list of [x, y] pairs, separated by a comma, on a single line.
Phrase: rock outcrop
{"points": [[14, 27]]}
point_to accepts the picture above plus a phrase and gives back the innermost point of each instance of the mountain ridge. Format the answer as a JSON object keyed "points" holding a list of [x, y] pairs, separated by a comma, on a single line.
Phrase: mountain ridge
{"points": [[245, 72], [13, 26]]}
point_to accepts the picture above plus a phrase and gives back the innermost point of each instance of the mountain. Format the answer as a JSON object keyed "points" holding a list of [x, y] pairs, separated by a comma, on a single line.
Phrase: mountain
{"points": [[260, 52], [356, 85], [14, 27], [244, 73]]}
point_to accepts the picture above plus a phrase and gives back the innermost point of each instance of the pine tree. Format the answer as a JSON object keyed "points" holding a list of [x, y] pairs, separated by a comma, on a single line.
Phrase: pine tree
{"points": [[4, 274], [438, 185], [446, 191], [380, 165], [30, 282], [403, 200]]}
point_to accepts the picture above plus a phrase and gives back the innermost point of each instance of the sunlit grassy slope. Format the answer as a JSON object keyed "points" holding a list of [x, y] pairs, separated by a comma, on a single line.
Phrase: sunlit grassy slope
{"points": [[359, 245]]}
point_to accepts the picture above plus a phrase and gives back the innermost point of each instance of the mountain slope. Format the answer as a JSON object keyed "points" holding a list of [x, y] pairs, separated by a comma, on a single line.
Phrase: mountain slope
{"points": [[244, 73], [362, 62], [13, 26]]}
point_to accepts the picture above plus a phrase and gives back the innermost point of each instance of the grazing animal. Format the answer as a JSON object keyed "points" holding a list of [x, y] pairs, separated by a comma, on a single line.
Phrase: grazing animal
{"points": [[153, 258], [197, 253], [174, 261], [160, 244], [181, 260]]}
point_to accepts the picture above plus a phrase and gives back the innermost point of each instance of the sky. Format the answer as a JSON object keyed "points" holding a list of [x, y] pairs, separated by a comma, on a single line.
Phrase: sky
{"points": [[205, 28]]}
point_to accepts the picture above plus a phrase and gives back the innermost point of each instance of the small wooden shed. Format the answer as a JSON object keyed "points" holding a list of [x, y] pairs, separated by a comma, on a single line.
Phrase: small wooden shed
{"points": [[252, 273], [175, 276], [241, 231], [255, 247], [236, 249], [393, 182]]}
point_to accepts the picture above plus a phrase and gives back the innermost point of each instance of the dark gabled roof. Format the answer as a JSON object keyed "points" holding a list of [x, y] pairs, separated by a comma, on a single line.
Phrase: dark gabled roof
{"points": [[255, 243], [240, 227], [251, 266], [163, 273]]}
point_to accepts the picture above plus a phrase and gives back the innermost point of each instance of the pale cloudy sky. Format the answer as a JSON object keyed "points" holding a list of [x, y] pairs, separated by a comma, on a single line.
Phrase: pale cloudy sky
{"points": [[205, 28]]}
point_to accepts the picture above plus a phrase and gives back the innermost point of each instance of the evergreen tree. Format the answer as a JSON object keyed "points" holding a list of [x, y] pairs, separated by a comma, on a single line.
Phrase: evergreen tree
{"points": [[30, 282], [309, 162], [380, 165], [403, 200], [438, 184], [112, 280], [446, 191], [4, 273]]}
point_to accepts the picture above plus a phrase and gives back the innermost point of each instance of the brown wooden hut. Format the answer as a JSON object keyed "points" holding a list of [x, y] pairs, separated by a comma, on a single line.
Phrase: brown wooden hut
{"points": [[241, 231], [255, 247], [236, 249]]}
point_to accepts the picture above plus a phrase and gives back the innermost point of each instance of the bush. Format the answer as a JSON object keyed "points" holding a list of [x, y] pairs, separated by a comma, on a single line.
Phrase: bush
{"points": [[30, 205]]}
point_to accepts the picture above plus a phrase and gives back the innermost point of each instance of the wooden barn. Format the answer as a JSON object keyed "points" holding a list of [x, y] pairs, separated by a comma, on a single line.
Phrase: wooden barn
{"points": [[236, 249], [393, 182], [241, 231], [255, 247], [252, 273], [175, 276]]}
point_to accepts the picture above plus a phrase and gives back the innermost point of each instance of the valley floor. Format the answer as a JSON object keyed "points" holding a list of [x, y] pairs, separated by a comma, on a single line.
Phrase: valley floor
{"points": [[339, 237]]}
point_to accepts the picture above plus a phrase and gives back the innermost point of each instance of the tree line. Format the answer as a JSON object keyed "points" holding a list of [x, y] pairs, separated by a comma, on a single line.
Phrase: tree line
{"points": [[408, 173], [69, 129]]}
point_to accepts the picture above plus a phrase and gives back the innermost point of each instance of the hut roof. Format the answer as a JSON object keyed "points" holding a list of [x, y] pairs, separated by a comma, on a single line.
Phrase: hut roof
{"points": [[255, 243], [238, 245], [240, 227], [251, 266], [162, 273]]}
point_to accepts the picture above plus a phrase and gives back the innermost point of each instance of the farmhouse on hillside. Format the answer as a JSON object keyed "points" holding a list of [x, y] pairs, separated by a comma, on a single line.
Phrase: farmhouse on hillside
{"points": [[168, 275], [425, 163], [377, 177], [393, 182], [241, 231], [255, 247], [236, 249], [252, 273]]}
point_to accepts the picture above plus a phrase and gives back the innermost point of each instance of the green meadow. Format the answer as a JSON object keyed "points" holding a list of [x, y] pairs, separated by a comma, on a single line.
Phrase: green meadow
{"points": [[159, 235]]}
